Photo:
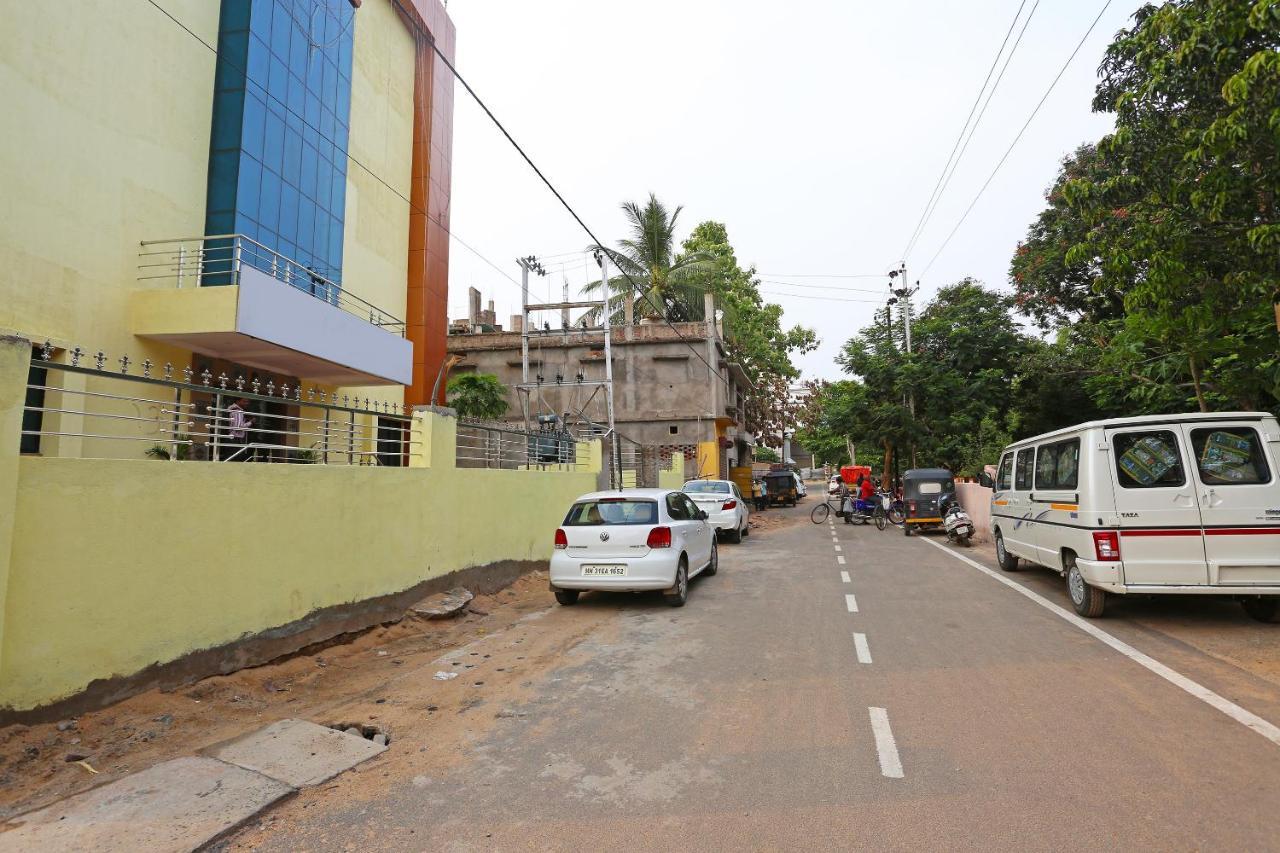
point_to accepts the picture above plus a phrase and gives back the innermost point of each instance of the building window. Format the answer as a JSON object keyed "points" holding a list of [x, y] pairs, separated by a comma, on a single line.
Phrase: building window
{"points": [[673, 429], [278, 145], [33, 421]]}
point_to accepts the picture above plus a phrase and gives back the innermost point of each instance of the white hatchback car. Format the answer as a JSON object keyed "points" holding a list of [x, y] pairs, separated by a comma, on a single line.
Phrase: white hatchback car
{"points": [[634, 540], [723, 504]]}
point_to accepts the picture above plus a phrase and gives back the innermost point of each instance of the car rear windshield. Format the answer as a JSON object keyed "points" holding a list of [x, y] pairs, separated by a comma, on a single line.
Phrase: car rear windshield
{"points": [[705, 487], [611, 511]]}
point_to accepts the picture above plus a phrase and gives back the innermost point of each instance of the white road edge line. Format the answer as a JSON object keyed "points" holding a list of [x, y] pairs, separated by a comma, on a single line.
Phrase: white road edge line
{"points": [[840, 559], [890, 764], [844, 576], [851, 603], [1246, 718], [861, 648]]}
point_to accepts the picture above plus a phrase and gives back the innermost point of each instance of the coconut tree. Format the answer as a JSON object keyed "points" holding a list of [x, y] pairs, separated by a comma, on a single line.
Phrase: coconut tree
{"points": [[666, 283]]}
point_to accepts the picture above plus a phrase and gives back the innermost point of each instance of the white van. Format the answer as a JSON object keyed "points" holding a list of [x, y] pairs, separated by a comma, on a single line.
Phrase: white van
{"points": [[1154, 504]]}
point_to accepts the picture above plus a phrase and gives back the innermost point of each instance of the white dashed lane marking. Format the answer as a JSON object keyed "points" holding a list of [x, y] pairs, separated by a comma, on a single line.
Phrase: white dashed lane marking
{"points": [[844, 577], [851, 603], [886, 747], [840, 559], [837, 547], [861, 648]]}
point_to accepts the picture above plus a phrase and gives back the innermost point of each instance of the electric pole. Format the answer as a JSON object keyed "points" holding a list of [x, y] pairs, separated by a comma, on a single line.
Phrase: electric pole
{"points": [[904, 294]]}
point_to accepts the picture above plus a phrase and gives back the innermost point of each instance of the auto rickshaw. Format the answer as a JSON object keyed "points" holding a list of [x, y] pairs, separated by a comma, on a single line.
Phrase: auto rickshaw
{"points": [[781, 488], [923, 493]]}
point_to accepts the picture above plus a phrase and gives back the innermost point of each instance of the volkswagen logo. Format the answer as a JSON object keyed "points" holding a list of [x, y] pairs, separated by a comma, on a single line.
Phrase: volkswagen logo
{"points": [[604, 536]]}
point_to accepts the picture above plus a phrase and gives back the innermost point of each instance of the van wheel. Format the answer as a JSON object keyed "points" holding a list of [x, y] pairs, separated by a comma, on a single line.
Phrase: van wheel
{"points": [[1007, 561], [1264, 608], [1089, 601], [567, 596]]}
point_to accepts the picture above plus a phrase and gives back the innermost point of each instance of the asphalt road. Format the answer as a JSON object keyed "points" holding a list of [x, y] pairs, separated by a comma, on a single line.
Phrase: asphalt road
{"points": [[915, 702]]}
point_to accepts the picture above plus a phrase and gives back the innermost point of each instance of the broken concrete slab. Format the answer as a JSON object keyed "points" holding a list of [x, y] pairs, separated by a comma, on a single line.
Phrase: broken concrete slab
{"points": [[296, 752], [443, 605], [179, 805]]}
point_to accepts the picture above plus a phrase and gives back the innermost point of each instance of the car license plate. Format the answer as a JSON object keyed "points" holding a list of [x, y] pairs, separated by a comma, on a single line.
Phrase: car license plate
{"points": [[611, 571]]}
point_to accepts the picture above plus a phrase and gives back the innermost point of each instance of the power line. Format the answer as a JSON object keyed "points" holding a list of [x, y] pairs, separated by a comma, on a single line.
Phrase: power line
{"points": [[935, 193], [836, 287], [1023, 130], [822, 298], [258, 88], [594, 239], [974, 129], [822, 275]]}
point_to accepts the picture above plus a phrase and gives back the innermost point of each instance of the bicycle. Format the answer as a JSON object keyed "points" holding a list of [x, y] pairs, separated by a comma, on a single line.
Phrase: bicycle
{"points": [[822, 511]]}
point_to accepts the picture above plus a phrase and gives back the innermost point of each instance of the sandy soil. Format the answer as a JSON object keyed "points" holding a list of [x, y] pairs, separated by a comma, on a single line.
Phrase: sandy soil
{"points": [[382, 678]]}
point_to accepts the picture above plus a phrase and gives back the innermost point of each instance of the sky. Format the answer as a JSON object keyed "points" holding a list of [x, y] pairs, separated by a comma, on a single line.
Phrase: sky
{"points": [[815, 131]]}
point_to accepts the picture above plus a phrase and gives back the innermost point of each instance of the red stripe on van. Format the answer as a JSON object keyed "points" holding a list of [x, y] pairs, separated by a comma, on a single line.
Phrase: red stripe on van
{"points": [[1243, 531], [1164, 531]]}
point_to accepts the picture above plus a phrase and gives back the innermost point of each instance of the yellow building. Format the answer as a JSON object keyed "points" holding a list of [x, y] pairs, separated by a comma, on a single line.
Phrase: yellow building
{"points": [[236, 188]]}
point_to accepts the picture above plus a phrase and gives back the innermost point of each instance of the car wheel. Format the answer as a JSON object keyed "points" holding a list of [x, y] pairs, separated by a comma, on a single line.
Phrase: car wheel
{"points": [[1007, 561], [567, 596], [1089, 601], [1264, 608], [735, 535], [679, 592], [746, 530], [714, 565]]}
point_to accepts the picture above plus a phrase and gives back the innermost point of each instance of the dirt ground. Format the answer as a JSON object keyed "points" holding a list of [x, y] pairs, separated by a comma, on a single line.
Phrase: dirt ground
{"points": [[383, 678]]}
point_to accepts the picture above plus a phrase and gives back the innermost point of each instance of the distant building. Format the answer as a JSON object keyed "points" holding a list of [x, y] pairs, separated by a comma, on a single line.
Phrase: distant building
{"points": [[665, 394]]}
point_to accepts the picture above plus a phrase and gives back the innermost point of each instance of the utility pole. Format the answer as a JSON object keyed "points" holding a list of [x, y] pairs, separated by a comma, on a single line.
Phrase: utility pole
{"points": [[615, 461], [526, 266], [904, 294]]}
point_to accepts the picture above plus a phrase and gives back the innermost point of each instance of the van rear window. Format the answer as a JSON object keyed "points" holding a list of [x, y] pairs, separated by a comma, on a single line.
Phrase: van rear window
{"points": [[1148, 460], [1229, 456], [611, 511]]}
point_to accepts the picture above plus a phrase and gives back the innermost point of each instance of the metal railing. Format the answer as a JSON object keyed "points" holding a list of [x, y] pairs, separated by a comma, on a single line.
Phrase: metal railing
{"points": [[73, 409], [218, 259], [494, 444]]}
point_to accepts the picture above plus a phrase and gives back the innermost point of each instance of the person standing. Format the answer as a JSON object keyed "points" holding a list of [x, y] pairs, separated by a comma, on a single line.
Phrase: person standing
{"points": [[238, 423]]}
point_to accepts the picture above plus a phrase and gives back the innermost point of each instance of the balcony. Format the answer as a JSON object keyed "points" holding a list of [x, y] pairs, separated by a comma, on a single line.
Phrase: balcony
{"points": [[228, 296]]}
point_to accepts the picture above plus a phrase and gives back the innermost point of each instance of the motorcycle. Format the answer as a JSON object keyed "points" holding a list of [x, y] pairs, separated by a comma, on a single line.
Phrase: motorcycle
{"points": [[958, 524]]}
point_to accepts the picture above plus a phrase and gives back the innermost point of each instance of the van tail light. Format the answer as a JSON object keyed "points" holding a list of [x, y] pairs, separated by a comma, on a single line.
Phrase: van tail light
{"points": [[729, 504], [562, 540], [1106, 544], [659, 537]]}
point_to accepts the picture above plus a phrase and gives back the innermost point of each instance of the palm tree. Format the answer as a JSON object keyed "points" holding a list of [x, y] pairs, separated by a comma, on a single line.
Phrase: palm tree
{"points": [[672, 283]]}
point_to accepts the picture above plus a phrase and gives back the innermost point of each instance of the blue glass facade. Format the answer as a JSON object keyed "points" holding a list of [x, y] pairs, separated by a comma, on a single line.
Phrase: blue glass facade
{"points": [[278, 147]]}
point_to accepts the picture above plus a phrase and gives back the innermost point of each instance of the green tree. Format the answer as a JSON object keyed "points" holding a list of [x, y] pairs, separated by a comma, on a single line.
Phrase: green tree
{"points": [[753, 331], [765, 454], [478, 395], [1182, 218], [672, 285]]}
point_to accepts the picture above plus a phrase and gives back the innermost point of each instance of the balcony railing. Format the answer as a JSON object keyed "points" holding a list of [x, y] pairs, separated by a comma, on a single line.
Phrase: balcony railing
{"points": [[218, 259]]}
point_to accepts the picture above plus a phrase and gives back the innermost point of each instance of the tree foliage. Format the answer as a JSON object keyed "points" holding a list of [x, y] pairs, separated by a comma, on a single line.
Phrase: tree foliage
{"points": [[753, 330], [1161, 243], [478, 395], [664, 284]]}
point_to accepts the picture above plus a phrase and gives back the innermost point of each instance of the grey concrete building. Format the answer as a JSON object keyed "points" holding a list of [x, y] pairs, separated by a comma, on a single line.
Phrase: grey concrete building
{"points": [[665, 395]]}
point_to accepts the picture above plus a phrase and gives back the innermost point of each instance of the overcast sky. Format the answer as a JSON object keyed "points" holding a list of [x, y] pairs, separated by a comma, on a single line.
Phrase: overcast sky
{"points": [[814, 130]]}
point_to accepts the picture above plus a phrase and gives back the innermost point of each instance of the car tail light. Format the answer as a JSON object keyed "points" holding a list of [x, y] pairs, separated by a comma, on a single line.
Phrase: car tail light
{"points": [[562, 540], [659, 537], [1106, 544], [730, 504]]}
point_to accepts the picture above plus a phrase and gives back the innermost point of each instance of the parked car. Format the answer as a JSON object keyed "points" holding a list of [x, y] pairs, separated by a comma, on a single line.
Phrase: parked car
{"points": [[801, 489], [1173, 504], [726, 509], [632, 540]]}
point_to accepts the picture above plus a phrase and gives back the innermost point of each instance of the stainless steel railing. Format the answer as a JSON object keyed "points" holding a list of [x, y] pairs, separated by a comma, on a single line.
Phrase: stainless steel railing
{"points": [[74, 409], [218, 259], [487, 444]]}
